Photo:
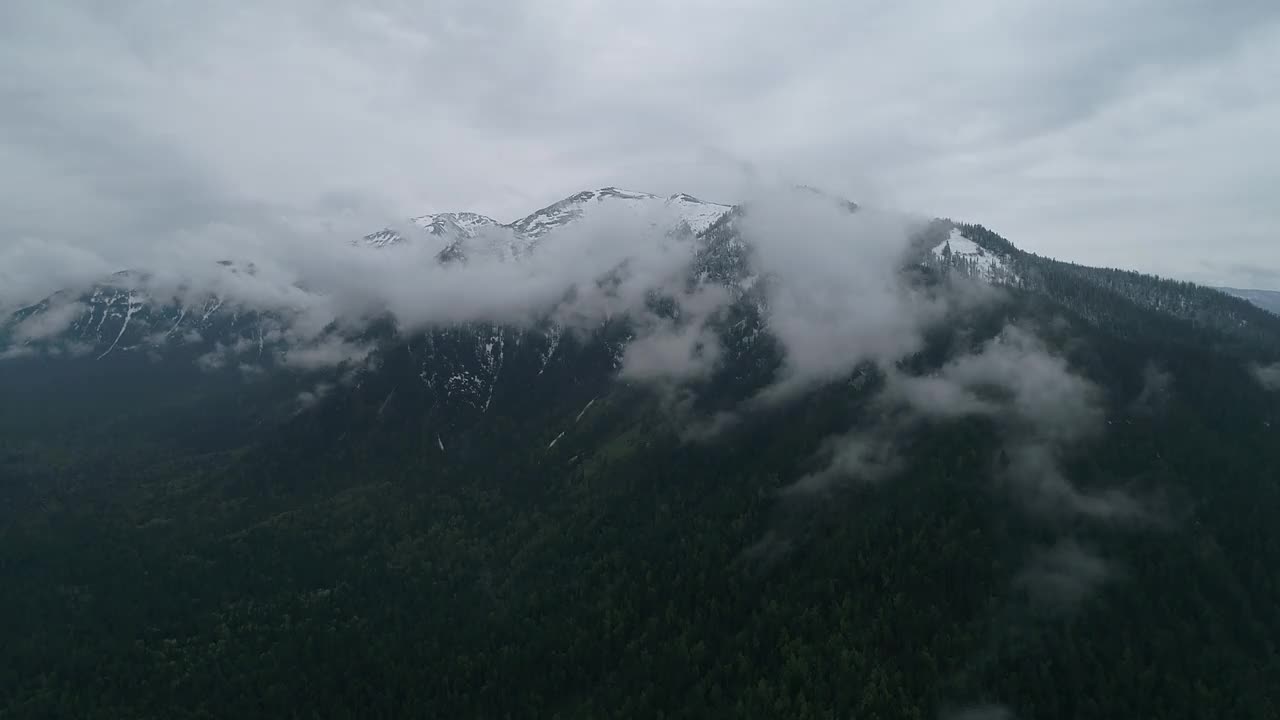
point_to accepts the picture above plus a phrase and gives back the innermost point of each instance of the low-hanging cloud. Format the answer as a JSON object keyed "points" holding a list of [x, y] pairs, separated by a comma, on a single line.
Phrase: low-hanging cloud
{"points": [[837, 296], [1042, 409], [308, 399], [677, 349], [1157, 386], [1268, 375], [1013, 377], [17, 352], [330, 352], [309, 282], [1035, 470], [53, 321], [1059, 577], [866, 456], [834, 295], [833, 288], [32, 269]]}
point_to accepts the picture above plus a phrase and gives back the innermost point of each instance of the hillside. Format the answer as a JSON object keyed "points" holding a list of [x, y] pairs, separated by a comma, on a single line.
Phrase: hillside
{"points": [[764, 465]]}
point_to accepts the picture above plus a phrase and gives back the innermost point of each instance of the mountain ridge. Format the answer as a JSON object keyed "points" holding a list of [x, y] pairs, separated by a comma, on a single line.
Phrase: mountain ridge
{"points": [[458, 227], [1266, 299], [1067, 476], [112, 307]]}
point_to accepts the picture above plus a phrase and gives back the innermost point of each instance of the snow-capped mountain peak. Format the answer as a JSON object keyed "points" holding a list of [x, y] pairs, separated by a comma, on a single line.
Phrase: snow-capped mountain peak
{"points": [[464, 224], [698, 215], [450, 226], [379, 239], [960, 252], [518, 238]]}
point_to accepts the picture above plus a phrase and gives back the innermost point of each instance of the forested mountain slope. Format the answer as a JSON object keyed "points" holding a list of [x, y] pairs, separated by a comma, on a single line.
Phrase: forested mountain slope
{"points": [[997, 484]]}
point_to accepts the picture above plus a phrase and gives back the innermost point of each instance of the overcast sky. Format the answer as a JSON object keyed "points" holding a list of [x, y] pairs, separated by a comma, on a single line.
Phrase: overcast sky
{"points": [[1135, 133]]}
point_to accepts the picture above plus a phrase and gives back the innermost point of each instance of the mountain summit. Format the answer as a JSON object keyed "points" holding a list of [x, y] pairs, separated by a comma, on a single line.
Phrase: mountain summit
{"points": [[517, 238], [695, 214]]}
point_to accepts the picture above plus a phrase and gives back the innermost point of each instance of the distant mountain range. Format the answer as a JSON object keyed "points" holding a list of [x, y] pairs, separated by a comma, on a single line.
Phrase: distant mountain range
{"points": [[1265, 299]]}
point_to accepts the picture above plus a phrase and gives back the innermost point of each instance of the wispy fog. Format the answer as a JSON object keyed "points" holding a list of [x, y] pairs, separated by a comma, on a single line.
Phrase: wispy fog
{"points": [[1268, 375]]}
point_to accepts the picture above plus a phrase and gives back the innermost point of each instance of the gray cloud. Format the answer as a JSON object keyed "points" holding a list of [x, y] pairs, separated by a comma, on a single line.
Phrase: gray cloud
{"points": [[326, 353], [836, 293], [1045, 408], [167, 121], [320, 291], [671, 352], [308, 399], [1035, 471], [679, 349], [1268, 375], [215, 359], [1059, 577], [32, 269], [1015, 377], [46, 324], [1157, 385], [864, 456], [1044, 411]]}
